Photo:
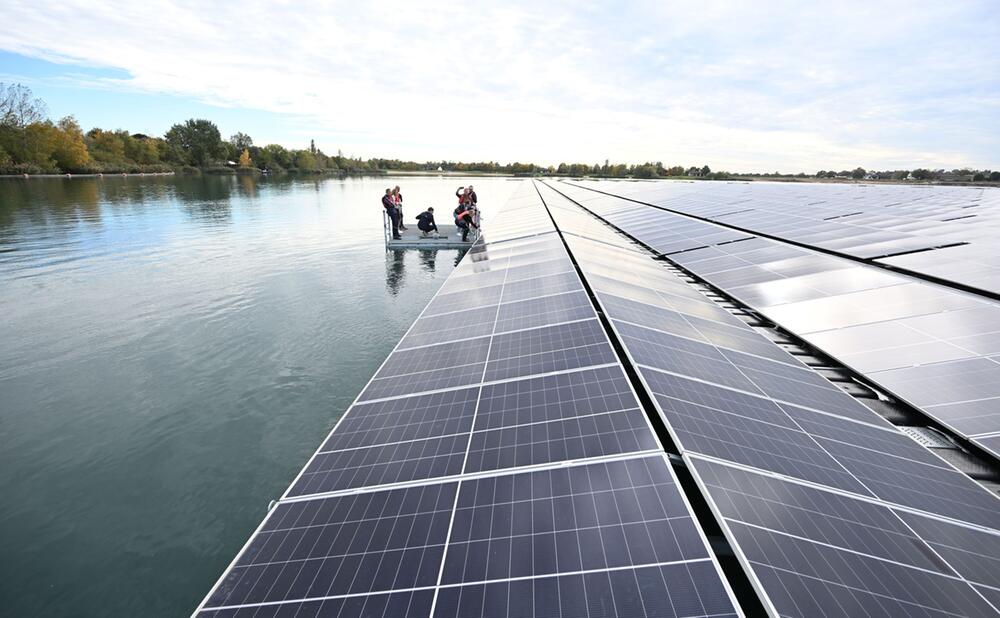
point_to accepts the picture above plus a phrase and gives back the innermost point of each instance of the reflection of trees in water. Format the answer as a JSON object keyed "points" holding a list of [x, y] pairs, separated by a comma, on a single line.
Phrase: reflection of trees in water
{"points": [[459, 254], [395, 267], [246, 184], [42, 200], [207, 198], [204, 188], [133, 191]]}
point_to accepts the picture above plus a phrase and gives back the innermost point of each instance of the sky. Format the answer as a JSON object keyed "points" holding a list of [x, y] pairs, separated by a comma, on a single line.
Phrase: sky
{"points": [[739, 86]]}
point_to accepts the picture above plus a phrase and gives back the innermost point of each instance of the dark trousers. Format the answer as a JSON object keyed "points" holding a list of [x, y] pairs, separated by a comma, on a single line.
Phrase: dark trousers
{"points": [[464, 226], [394, 217], [425, 226]]}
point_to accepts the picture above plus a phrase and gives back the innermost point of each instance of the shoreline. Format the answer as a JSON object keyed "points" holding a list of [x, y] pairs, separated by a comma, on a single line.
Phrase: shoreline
{"points": [[453, 173]]}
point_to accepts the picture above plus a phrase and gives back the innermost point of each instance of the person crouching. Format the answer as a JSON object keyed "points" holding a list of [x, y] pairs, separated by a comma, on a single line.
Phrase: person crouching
{"points": [[426, 224]]}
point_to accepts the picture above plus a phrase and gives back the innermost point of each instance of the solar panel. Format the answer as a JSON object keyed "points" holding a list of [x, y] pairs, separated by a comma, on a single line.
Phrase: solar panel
{"points": [[405, 418], [617, 514], [528, 418], [838, 545], [885, 324], [817, 553], [544, 350], [568, 439], [355, 544]]}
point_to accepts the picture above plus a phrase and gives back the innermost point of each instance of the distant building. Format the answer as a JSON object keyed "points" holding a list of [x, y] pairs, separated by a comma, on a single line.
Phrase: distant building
{"points": [[694, 171]]}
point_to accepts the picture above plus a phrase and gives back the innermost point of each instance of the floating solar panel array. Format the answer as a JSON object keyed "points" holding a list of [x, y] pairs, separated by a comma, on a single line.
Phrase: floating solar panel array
{"points": [[946, 232], [831, 510], [497, 464], [933, 346]]}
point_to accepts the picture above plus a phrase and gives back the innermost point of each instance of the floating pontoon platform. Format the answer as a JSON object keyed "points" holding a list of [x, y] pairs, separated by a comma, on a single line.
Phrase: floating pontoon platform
{"points": [[449, 237]]}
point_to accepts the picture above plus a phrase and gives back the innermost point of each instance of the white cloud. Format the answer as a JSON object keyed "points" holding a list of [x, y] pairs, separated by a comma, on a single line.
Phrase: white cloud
{"points": [[736, 85]]}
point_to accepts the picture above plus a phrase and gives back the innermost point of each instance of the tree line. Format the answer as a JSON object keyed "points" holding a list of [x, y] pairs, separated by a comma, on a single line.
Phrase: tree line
{"points": [[31, 143]]}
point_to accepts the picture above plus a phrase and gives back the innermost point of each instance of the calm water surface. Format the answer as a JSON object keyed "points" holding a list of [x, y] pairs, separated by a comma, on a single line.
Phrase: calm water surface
{"points": [[172, 351]]}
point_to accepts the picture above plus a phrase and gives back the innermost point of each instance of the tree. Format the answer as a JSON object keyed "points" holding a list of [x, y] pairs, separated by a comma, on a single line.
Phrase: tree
{"points": [[995, 176], [245, 160], [19, 107], [69, 148], [106, 146], [199, 141], [38, 139], [645, 171], [705, 171], [277, 156], [858, 173], [304, 160], [24, 132], [241, 141]]}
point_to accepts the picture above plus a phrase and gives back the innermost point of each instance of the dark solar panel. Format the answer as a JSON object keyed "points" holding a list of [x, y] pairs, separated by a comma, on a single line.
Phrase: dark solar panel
{"points": [[821, 513], [381, 465], [406, 418], [805, 580], [354, 544], [555, 397], [543, 350], [974, 554], [687, 590], [542, 311], [413, 604], [387, 518], [544, 285], [582, 518], [560, 440], [817, 553]]}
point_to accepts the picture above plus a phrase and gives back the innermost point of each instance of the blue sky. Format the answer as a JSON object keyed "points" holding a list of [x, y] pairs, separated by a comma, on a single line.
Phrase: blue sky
{"points": [[749, 86]]}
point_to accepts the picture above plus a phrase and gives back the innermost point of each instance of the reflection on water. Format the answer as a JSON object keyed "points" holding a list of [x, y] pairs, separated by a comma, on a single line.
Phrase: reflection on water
{"points": [[395, 271], [395, 264], [172, 351], [428, 259]]}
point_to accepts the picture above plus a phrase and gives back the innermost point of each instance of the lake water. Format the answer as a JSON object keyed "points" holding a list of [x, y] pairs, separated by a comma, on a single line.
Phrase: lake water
{"points": [[172, 351]]}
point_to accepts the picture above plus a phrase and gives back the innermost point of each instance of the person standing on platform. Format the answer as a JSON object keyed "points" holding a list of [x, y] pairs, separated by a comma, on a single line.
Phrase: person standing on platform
{"points": [[464, 219], [473, 199], [397, 197], [390, 208]]}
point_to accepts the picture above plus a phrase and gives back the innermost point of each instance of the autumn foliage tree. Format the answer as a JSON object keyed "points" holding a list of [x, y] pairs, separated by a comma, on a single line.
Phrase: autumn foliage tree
{"points": [[69, 148]]}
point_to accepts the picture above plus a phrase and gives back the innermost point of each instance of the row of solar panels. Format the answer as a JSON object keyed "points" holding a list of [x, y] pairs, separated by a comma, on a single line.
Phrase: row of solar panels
{"points": [[896, 225], [936, 347], [497, 464], [833, 511]]}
